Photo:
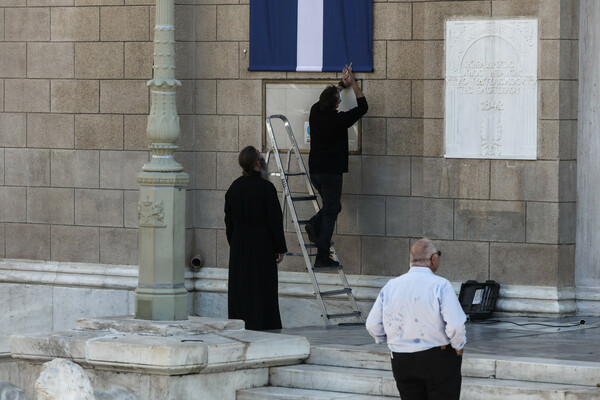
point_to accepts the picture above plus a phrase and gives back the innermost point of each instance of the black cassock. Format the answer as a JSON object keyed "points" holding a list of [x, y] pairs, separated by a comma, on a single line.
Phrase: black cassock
{"points": [[254, 226]]}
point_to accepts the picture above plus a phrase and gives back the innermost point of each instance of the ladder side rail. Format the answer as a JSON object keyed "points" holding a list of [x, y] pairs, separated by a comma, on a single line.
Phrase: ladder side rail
{"points": [[275, 151], [273, 148], [287, 161], [268, 157], [271, 152], [287, 165]]}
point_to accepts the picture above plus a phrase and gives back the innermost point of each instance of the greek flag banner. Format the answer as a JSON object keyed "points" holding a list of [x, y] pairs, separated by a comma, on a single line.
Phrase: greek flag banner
{"points": [[311, 35]]}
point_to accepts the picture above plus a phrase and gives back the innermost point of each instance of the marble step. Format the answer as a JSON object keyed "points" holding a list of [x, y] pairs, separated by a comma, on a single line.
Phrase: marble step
{"points": [[474, 365], [374, 382], [503, 389], [472, 389], [283, 393], [338, 379]]}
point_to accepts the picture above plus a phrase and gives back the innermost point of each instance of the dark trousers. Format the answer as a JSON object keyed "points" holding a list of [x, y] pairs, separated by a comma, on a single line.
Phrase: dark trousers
{"points": [[329, 187], [432, 374]]}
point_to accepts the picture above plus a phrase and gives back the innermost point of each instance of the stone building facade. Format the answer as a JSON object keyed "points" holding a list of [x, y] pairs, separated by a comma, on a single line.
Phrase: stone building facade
{"points": [[73, 115]]}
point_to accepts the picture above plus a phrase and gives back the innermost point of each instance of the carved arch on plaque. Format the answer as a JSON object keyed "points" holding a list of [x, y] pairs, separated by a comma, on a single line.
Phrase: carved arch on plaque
{"points": [[464, 35], [462, 61]]}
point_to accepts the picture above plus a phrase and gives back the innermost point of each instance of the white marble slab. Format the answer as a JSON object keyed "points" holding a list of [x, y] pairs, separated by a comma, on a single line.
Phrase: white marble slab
{"points": [[498, 389], [491, 89], [163, 348], [221, 386], [553, 371], [342, 355], [71, 303], [150, 354], [23, 309], [192, 326], [46, 346], [249, 349], [352, 380], [210, 304], [281, 393], [339, 379], [27, 307]]}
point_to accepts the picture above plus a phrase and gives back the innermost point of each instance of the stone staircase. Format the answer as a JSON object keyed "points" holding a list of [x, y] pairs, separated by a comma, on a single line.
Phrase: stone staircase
{"points": [[347, 372]]}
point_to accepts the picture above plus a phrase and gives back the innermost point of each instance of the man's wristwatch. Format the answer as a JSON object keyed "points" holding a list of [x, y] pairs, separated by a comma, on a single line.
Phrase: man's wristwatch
{"points": [[341, 83]]}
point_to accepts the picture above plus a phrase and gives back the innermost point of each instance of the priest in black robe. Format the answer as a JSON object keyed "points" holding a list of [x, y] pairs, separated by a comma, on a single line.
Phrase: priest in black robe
{"points": [[254, 227]]}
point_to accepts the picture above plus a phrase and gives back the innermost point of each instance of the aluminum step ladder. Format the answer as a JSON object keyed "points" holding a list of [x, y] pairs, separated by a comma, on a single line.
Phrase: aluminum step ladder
{"points": [[308, 249]]}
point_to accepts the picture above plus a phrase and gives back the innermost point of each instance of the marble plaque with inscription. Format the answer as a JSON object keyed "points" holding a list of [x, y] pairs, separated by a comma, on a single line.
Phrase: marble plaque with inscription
{"points": [[491, 89]]}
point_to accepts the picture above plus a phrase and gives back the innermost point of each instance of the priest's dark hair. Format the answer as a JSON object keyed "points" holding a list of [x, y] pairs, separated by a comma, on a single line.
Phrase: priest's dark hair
{"points": [[329, 98], [248, 158]]}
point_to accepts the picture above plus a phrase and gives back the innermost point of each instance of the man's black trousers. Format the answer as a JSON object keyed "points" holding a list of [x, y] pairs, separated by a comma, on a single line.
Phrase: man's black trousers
{"points": [[329, 187], [432, 374]]}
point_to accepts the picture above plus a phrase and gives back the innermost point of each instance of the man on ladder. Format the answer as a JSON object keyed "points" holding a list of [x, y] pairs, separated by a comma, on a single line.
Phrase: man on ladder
{"points": [[328, 159]]}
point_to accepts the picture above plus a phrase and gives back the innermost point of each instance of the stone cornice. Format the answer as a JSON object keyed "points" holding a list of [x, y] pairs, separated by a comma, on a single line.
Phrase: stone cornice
{"points": [[54, 273]]}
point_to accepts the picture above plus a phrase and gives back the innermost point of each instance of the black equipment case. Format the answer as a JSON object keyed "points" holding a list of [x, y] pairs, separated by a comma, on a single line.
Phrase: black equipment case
{"points": [[478, 300]]}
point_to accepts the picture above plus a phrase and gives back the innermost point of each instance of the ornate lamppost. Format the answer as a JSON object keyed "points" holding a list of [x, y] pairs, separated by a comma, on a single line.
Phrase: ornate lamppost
{"points": [[161, 294]]}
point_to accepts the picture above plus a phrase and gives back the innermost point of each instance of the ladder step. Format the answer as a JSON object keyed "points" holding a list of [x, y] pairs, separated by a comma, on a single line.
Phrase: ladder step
{"points": [[336, 292], [325, 269], [303, 221], [295, 173], [299, 254], [313, 246], [344, 315], [303, 198]]}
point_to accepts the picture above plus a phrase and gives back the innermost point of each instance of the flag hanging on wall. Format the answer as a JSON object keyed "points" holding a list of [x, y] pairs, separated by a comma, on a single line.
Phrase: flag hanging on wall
{"points": [[311, 35]]}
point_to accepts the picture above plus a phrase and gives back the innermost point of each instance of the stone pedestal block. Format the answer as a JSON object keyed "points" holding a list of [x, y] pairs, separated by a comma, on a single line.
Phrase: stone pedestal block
{"points": [[161, 294]]}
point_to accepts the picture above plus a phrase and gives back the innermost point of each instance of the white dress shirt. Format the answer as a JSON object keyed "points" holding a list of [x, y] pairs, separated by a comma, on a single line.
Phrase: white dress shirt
{"points": [[417, 311]]}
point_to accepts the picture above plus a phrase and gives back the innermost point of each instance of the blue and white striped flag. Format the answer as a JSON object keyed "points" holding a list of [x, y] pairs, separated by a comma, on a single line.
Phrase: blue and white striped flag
{"points": [[311, 35]]}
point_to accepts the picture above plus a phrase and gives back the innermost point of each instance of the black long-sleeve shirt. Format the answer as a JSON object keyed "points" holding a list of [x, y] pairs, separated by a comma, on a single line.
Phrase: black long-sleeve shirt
{"points": [[329, 137]]}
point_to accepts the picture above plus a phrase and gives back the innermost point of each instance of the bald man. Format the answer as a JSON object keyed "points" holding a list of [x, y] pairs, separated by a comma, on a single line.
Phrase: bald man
{"points": [[420, 317]]}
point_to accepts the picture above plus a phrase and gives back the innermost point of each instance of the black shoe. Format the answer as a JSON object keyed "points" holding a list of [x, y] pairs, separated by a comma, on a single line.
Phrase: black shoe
{"points": [[312, 233], [324, 262]]}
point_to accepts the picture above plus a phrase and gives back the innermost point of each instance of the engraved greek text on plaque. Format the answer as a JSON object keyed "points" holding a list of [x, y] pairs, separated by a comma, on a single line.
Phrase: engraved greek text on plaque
{"points": [[491, 89]]}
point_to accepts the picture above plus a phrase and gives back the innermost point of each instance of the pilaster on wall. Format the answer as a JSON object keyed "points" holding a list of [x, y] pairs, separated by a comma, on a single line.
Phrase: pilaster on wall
{"points": [[587, 259]]}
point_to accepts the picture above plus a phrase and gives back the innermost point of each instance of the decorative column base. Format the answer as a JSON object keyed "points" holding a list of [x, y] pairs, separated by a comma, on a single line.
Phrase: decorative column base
{"points": [[161, 293], [161, 303]]}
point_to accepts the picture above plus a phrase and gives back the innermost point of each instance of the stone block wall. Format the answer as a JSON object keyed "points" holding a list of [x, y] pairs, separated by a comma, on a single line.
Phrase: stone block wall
{"points": [[72, 127], [508, 220]]}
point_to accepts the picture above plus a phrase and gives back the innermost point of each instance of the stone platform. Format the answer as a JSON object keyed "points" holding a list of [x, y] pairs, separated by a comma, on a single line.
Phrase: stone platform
{"points": [[508, 359], [202, 358]]}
